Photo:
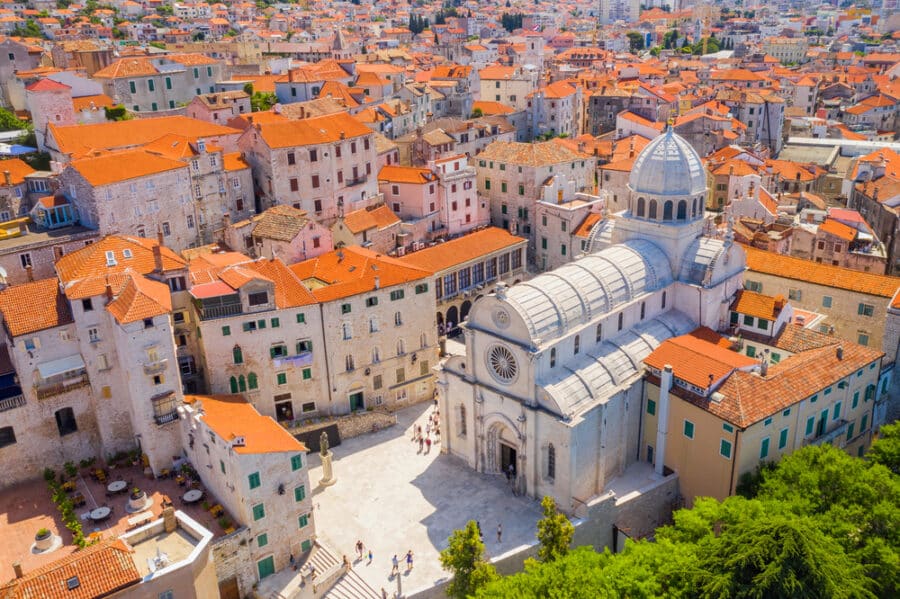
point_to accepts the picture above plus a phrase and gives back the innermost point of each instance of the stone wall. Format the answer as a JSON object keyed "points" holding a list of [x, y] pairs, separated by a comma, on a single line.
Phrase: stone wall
{"points": [[232, 556], [352, 425]]}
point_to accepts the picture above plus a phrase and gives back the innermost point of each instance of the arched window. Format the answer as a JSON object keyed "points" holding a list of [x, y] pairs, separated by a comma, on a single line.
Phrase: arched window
{"points": [[621, 320], [242, 383], [237, 354], [552, 357], [667, 210], [373, 325], [664, 300], [252, 382], [577, 344], [462, 420], [643, 309], [694, 209], [347, 330], [640, 207], [682, 210], [599, 333], [551, 462], [376, 355], [423, 340], [652, 212], [233, 382], [401, 348]]}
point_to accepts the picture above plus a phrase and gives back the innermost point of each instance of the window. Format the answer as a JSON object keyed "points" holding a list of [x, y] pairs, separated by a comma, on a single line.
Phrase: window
{"points": [[767, 421], [865, 310], [7, 436], [552, 357], [371, 302], [543, 243], [422, 288], [751, 351], [345, 308], [299, 493], [347, 331], [577, 344], [303, 521], [599, 336], [782, 438], [373, 325], [727, 427], [621, 320], [826, 301], [291, 159], [281, 378], [148, 323], [837, 411], [132, 87], [376, 381], [748, 320], [297, 462], [462, 421], [864, 423], [259, 511], [643, 309], [855, 401], [315, 181], [863, 339], [262, 540], [562, 249], [252, 381], [65, 421], [93, 335], [301, 318], [764, 449], [688, 429], [551, 462], [25, 259], [663, 300], [348, 363], [398, 319], [237, 354], [260, 298], [651, 407], [401, 375], [253, 480], [295, 185], [810, 423], [725, 449]]}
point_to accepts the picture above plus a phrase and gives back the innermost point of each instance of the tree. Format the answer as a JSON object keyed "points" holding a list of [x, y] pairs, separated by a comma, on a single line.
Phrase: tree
{"points": [[886, 450], [464, 557], [262, 101], [554, 531], [635, 41], [10, 122], [477, 113], [248, 88], [31, 29]]}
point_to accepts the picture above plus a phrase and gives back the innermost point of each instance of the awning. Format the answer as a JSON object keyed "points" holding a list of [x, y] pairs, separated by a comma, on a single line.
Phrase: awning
{"points": [[61, 366], [215, 289]]}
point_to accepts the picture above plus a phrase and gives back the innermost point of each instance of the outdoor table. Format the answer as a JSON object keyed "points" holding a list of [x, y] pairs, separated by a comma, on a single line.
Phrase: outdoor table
{"points": [[100, 513], [193, 496], [117, 486]]}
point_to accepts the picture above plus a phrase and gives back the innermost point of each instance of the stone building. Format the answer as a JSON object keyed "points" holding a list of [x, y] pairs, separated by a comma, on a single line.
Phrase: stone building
{"points": [[550, 385], [219, 107], [375, 227], [281, 231]]}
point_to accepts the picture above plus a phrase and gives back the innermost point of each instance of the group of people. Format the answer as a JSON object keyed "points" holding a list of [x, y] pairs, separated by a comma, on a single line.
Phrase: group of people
{"points": [[395, 563], [431, 425], [481, 534], [361, 549]]}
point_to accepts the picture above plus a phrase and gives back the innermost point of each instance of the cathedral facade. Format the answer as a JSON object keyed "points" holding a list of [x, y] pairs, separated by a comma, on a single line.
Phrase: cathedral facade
{"points": [[550, 390]]}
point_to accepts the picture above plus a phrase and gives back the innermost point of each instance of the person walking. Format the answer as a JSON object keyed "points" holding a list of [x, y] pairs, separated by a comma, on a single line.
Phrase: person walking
{"points": [[421, 443], [428, 445], [359, 548], [371, 556], [395, 565], [409, 560], [499, 533]]}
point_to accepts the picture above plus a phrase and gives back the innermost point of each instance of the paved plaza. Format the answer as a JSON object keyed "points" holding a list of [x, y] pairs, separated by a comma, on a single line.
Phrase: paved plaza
{"points": [[395, 499]]}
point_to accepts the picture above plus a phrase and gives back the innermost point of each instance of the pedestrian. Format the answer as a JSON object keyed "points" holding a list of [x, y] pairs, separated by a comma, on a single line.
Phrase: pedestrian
{"points": [[419, 431], [437, 435], [346, 562], [500, 533], [293, 562], [359, 548], [428, 427], [421, 443], [395, 565], [371, 556], [409, 560], [428, 445], [383, 593]]}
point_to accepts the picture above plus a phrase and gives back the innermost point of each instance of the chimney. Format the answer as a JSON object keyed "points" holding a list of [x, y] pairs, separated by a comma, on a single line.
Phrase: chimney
{"points": [[17, 568], [23, 228], [377, 283], [7, 177], [840, 352], [169, 522], [662, 422], [109, 292], [29, 273], [779, 302], [226, 219], [159, 237], [157, 258], [343, 135], [763, 367]]}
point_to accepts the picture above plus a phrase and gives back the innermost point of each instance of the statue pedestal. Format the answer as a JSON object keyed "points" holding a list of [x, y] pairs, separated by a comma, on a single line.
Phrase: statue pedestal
{"points": [[328, 478]]}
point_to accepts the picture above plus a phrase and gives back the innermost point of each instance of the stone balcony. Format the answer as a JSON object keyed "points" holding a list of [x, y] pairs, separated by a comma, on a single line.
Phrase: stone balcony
{"points": [[157, 367], [828, 437]]}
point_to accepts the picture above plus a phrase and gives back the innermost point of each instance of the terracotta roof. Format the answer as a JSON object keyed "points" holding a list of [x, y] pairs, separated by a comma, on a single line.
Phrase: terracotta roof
{"points": [[87, 102], [282, 223], [838, 229], [17, 170], [234, 162], [86, 272], [757, 304], [529, 154], [313, 131], [406, 174], [695, 358], [353, 270], [584, 229], [820, 274], [142, 66], [122, 166], [81, 139], [140, 298], [231, 416], [33, 307], [491, 108], [373, 217], [462, 249], [44, 85], [100, 569]]}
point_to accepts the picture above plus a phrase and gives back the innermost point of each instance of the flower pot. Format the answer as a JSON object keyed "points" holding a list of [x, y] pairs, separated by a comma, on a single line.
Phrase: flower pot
{"points": [[138, 501], [43, 540]]}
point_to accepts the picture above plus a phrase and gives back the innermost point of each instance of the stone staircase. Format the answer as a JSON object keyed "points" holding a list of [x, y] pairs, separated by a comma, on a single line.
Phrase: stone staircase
{"points": [[352, 586]]}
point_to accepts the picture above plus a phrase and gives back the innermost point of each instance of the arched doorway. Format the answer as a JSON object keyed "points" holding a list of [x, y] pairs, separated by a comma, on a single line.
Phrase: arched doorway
{"points": [[452, 320], [504, 453], [464, 310], [440, 324]]}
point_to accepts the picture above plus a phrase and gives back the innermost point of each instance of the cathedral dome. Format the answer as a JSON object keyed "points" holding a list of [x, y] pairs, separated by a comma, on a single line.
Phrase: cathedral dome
{"points": [[668, 166]]}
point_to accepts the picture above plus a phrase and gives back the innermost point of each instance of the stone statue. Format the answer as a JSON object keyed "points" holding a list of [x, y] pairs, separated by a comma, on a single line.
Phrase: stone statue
{"points": [[328, 478], [323, 443]]}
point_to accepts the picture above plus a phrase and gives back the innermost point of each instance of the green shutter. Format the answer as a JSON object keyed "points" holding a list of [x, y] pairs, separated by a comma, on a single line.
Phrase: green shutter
{"points": [[810, 423], [307, 374], [253, 479], [303, 521], [688, 429], [651, 407], [300, 493], [725, 449], [297, 462], [262, 540], [764, 449], [226, 331], [301, 317], [276, 323], [782, 439], [259, 512], [282, 378]]}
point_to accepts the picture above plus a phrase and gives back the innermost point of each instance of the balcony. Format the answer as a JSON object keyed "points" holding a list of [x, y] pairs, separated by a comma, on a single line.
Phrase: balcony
{"points": [[211, 312], [827, 438], [50, 388], [356, 181], [12, 402], [166, 418], [157, 367]]}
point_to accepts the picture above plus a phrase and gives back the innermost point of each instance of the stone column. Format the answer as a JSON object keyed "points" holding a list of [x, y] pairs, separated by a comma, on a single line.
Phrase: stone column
{"points": [[328, 478]]}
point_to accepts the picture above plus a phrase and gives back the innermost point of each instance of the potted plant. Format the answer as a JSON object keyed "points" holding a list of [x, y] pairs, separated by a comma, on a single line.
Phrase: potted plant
{"points": [[43, 540], [71, 469], [137, 500], [136, 494]]}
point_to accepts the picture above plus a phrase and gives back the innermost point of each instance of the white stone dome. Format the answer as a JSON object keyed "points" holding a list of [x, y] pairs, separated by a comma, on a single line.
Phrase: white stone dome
{"points": [[668, 166]]}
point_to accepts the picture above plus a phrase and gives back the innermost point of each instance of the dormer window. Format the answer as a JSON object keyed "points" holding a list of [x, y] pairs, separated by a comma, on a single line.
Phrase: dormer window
{"points": [[110, 258], [260, 298]]}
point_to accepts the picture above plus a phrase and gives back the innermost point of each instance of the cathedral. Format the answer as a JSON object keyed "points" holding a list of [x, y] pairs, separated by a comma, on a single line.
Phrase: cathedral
{"points": [[549, 391]]}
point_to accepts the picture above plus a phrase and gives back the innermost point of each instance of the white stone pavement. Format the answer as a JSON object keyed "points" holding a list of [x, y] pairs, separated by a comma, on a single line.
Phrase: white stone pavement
{"points": [[395, 499]]}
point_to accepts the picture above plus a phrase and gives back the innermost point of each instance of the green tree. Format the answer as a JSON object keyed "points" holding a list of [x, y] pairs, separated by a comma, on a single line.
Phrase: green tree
{"points": [[248, 88], [262, 101], [464, 557], [10, 122], [476, 114], [554, 531], [886, 450], [635, 41]]}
